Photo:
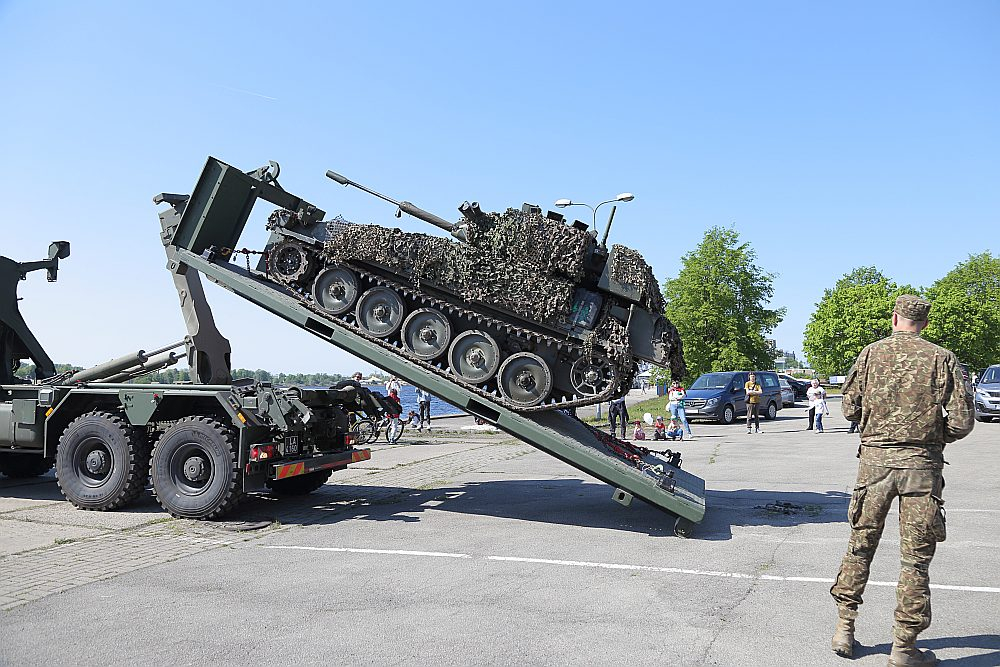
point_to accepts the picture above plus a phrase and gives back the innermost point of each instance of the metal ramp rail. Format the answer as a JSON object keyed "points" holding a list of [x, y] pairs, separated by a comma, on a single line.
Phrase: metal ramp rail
{"points": [[200, 233]]}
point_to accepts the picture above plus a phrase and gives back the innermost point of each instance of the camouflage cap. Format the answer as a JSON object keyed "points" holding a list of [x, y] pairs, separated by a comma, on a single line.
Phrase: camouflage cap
{"points": [[912, 307]]}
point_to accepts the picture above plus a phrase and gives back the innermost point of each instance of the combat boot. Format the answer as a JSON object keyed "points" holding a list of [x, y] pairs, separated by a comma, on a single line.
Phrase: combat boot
{"points": [[908, 655], [843, 638]]}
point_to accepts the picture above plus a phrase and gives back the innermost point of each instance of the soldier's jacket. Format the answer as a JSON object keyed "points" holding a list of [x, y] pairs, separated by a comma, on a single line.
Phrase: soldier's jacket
{"points": [[910, 398]]}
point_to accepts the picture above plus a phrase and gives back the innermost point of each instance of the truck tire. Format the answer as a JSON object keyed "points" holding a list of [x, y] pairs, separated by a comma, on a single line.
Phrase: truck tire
{"points": [[728, 414], [22, 466], [772, 411], [299, 485], [102, 462], [195, 469]]}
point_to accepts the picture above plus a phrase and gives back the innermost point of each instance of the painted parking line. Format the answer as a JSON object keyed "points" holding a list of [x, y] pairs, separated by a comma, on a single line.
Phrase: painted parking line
{"points": [[388, 552], [628, 567]]}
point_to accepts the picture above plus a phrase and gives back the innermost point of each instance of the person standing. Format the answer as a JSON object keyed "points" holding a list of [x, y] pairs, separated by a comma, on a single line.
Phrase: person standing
{"points": [[424, 405], [813, 393], [753, 390], [910, 399], [675, 404], [618, 412], [393, 387], [821, 410]]}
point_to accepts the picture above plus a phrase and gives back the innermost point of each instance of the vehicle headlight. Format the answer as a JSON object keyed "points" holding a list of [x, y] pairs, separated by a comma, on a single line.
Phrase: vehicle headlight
{"points": [[711, 402]]}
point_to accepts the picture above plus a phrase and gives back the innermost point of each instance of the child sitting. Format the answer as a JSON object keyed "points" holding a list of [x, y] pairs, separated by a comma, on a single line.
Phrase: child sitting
{"points": [[675, 431], [659, 429], [638, 433]]}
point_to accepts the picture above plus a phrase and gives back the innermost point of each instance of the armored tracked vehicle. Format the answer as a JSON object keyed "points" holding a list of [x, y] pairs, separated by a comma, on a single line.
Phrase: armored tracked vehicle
{"points": [[524, 308]]}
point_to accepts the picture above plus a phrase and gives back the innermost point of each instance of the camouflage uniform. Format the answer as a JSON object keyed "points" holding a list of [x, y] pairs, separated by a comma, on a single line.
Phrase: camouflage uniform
{"points": [[915, 401]]}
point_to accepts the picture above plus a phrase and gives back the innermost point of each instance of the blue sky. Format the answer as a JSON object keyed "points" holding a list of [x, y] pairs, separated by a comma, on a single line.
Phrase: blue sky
{"points": [[831, 136]]}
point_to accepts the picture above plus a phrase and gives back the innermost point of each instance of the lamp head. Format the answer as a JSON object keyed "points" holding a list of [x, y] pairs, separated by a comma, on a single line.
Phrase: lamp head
{"points": [[625, 196], [563, 203]]}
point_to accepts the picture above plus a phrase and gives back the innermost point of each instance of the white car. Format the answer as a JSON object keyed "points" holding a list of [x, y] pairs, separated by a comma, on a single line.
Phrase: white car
{"points": [[787, 393]]}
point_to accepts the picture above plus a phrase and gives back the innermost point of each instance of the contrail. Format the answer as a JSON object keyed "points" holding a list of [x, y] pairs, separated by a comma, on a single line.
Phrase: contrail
{"points": [[250, 92]]}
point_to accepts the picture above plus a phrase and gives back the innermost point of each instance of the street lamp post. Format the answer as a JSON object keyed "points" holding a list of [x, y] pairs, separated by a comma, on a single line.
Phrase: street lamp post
{"points": [[624, 196]]}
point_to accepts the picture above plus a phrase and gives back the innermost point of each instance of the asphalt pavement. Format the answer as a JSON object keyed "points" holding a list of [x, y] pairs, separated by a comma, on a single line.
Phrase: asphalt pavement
{"points": [[465, 548]]}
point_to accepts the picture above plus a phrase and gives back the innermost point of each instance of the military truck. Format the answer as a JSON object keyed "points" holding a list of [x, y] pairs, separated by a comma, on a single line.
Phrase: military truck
{"points": [[203, 446], [408, 305]]}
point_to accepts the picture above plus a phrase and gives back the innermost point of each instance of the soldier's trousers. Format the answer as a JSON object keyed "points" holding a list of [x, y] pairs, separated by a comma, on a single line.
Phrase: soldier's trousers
{"points": [[921, 527]]}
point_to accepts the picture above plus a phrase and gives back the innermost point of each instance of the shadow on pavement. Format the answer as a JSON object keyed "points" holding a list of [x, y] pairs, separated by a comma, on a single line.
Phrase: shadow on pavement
{"points": [[570, 502], [756, 507], [986, 642]]}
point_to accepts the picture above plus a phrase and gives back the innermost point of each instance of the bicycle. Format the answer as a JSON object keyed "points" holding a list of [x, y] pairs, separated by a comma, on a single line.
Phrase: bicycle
{"points": [[366, 430]]}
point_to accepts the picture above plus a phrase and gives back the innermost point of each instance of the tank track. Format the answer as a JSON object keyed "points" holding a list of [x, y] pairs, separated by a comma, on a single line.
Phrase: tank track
{"points": [[451, 309]]}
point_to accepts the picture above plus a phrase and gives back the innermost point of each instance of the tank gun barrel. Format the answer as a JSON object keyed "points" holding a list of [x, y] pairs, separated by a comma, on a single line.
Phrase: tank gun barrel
{"points": [[403, 206]]}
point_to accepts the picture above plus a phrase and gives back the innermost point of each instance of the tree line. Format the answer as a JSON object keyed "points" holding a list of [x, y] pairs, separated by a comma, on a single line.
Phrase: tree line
{"points": [[720, 304], [175, 375], [856, 311]]}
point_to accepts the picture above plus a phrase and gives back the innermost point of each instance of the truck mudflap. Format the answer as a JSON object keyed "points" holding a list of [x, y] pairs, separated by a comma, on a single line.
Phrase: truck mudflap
{"points": [[316, 463]]}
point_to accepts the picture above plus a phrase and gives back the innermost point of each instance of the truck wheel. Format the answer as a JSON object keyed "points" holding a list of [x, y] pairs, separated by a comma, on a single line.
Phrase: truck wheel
{"points": [[728, 415], [195, 469], [101, 462], [300, 485], [20, 466], [772, 411]]}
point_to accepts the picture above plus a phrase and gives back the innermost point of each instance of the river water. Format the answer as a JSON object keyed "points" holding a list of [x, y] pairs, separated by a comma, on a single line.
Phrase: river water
{"points": [[408, 399]]}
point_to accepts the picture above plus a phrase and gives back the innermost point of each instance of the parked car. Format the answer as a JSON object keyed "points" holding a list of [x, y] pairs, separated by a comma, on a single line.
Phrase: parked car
{"points": [[988, 395], [797, 385], [787, 393], [722, 397]]}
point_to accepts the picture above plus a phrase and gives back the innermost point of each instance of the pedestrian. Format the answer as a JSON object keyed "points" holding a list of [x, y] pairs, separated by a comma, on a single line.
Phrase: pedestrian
{"points": [[393, 387], [821, 410], [674, 431], [424, 404], [812, 393], [910, 399], [675, 405], [357, 376], [618, 412], [754, 392], [639, 433]]}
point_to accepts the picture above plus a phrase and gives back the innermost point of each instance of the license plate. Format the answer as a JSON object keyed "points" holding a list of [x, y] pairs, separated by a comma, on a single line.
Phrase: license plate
{"points": [[291, 445]]}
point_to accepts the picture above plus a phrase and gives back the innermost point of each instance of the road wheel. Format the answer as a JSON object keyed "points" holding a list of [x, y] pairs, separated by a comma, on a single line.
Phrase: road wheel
{"points": [[728, 414], [101, 461], [772, 411], [20, 466], [299, 485], [195, 469]]}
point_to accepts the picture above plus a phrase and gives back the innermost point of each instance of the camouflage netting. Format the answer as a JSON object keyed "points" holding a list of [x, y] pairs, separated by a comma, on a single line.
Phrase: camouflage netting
{"points": [[631, 269], [489, 274], [529, 238]]}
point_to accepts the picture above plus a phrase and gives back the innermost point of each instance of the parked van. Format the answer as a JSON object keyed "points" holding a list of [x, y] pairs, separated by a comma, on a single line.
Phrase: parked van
{"points": [[722, 397]]}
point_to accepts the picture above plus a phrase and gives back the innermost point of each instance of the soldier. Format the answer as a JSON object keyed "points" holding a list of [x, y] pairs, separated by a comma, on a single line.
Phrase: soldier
{"points": [[914, 403], [618, 411]]}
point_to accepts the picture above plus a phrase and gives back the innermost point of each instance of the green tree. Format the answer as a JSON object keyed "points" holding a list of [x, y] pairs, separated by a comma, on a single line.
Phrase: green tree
{"points": [[855, 313], [718, 302], [965, 311]]}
